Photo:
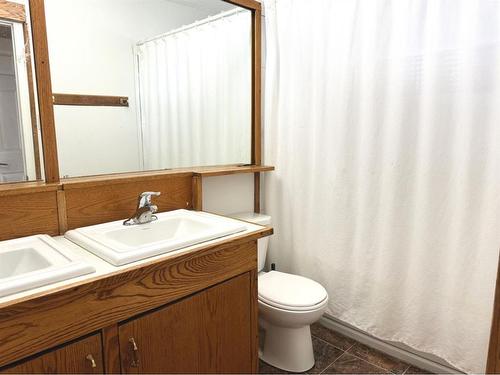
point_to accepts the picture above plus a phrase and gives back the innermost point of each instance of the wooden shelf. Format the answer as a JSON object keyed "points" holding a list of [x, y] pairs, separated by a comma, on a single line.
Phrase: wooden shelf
{"points": [[90, 100], [120, 178], [19, 188], [228, 170]]}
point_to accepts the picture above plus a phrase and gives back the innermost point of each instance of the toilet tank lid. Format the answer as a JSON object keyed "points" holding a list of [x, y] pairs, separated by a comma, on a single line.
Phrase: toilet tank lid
{"points": [[252, 217]]}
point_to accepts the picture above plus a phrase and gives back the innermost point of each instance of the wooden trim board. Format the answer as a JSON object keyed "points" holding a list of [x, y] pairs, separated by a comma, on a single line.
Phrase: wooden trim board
{"points": [[248, 4], [11, 11], [197, 193], [22, 188], [256, 193], [493, 360], [90, 100], [228, 170], [111, 349], [34, 117], [256, 87], [44, 86]]}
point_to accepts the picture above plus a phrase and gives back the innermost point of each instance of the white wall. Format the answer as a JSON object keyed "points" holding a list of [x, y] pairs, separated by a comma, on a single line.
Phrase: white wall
{"points": [[225, 195], [91, 52]]}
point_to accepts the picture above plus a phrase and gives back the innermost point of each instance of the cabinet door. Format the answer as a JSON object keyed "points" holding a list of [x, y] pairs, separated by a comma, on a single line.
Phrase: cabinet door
{"points": [[209, 332], [81, 357]]}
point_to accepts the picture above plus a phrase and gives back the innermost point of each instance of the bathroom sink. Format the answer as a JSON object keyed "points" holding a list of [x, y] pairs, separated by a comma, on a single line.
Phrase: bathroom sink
{"points": [[31, 262], [119, 244]]}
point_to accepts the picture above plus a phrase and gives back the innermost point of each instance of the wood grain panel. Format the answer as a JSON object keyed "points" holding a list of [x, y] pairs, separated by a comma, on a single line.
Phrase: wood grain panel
{"points": [[28, 214], [230, 169], [12, 11], [256, 193], [197, 193], [256, 87], [44, 87], [248, 4], [200, 334], [34, 117], [70, 359], [94, 205], [254, 320], [21, 188], [122, 178], [30, 326], [111, 349], [61, 212], [493, 362], [90, 100]]}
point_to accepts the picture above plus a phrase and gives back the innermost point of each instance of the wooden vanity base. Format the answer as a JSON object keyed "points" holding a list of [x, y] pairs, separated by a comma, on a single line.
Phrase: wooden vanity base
{"points": [[191, 313]]}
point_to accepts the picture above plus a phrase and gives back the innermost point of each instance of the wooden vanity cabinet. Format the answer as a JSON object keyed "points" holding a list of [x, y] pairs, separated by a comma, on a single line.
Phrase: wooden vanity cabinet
{"points": [[209, 332], [195, 312], [81, 357]]}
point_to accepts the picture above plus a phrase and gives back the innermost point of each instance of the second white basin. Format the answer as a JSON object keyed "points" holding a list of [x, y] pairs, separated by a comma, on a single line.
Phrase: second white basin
{"points": [[119, 244], [31, 262]]}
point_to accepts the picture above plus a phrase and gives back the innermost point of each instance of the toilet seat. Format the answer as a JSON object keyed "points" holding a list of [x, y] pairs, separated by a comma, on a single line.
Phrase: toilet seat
{"points": [[291, 292]]}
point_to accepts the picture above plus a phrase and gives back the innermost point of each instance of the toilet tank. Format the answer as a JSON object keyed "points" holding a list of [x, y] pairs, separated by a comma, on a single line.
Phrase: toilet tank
{"points": [[263, 243]]}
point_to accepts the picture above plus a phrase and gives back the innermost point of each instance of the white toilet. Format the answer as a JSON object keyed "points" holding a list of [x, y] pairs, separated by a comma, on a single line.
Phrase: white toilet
{"points": [[288, 305]]}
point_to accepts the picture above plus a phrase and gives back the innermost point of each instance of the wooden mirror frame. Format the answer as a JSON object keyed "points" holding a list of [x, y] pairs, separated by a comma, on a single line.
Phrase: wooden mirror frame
{"points": [[45, 94]]}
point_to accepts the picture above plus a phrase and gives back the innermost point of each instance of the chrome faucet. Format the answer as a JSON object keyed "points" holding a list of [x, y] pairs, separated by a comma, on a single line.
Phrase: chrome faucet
{"points": [[146, 210]]}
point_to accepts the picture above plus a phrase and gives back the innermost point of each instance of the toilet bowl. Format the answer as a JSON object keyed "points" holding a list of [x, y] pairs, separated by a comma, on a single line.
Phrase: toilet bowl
{"points": [[288, 305]]}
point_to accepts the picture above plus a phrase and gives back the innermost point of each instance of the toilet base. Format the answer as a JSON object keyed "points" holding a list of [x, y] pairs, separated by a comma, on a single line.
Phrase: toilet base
{"points": [[289, 349]]}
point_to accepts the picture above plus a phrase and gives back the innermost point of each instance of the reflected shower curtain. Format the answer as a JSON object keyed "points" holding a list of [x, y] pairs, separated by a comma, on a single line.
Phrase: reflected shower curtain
{"points": [[195, 94], [383, 121]]}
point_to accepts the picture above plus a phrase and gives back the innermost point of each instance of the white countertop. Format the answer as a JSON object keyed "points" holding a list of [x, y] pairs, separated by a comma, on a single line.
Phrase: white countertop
{"points": [[104, 268]]}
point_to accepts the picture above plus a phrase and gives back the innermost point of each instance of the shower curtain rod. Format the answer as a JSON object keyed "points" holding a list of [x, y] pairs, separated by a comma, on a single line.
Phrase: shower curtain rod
{"points": [[193, 25]]}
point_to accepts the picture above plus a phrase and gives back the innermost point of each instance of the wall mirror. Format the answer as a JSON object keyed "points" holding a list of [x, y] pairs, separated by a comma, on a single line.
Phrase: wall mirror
{"points": [[19, 135], [143, 85]]}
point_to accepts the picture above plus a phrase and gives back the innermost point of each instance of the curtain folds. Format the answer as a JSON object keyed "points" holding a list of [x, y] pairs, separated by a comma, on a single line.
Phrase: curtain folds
{"points": [[195, 94], [382, 119]]}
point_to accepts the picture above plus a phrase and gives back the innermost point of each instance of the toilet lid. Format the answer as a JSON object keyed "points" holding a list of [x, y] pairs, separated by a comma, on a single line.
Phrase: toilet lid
{"points": [[290, 291]]}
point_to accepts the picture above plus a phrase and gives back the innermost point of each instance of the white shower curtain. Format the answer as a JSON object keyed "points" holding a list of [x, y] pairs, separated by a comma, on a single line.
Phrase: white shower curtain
{"points": [[195, 94], [383, 121]]}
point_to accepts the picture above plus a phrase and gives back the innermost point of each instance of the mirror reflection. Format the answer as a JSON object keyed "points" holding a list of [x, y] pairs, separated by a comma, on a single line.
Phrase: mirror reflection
{"points": [[150, 84], [19, 136]]}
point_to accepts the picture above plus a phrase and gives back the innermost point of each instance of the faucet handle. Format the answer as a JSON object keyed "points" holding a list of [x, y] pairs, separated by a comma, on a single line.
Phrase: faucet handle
{"points": [[150, 194], [145, 198]]}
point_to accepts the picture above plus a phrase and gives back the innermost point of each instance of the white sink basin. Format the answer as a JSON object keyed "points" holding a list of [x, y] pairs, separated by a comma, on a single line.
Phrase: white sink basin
{"points": [[30, 262], [119, 244]]}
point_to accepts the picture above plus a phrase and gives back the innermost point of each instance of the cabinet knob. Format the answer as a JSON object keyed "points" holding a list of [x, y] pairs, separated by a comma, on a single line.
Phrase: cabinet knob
{"points": [[91, 359], [135, 352]]}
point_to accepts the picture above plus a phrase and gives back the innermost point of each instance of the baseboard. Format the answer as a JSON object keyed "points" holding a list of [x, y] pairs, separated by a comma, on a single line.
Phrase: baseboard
{"points": [[421, 360]]}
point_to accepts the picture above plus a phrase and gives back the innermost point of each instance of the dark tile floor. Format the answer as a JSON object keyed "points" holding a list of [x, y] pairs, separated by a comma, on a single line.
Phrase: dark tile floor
{"points": [[337, 354]]}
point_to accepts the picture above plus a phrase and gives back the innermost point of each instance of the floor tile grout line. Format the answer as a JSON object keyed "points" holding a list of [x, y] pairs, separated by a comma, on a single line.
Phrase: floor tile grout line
{"points": [[352, 346], [336, 359], [329, 343], [370, 363], [349, 353], [380, 367], [344, 352]]}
